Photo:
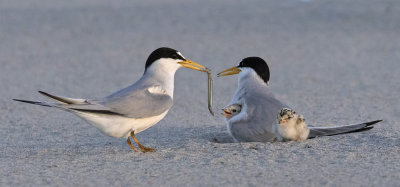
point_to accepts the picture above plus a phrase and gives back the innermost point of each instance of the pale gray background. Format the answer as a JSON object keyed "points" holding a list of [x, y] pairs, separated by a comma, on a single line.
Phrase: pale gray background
{"points": [[336, 62]]}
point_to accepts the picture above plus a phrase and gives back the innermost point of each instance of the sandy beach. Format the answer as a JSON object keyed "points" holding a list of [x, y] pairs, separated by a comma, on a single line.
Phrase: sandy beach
{"points": [[335, 62]]}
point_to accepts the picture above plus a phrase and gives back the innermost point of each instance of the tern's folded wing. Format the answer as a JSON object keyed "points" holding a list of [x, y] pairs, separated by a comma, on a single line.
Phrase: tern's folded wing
{"points": [[139, 102], [262, 111], [64, 100], [330, 131]]}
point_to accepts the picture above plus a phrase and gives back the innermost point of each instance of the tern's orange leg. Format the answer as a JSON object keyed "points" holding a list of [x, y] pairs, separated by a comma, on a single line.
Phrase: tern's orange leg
{"points": [[141, 147], [128, 141]]}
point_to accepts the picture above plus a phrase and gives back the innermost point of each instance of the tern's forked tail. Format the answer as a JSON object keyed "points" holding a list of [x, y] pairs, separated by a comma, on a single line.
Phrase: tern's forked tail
{"points": [[330, 131], [60, 101], [34, 102]]}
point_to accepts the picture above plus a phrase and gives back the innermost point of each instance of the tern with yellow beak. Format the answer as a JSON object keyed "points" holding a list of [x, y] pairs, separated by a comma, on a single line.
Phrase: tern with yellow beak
{"points": [[136, 107], [256, 121]]}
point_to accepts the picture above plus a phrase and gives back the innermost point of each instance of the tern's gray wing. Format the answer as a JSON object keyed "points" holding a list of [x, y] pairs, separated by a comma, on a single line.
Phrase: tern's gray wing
{"points": [[262, 110], [330, 131], [82, 107], [71, 104], [135, 101], [64, 100], [139, 101]]}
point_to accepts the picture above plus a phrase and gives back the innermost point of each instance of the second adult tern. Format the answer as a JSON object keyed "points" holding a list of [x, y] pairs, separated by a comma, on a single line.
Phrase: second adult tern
{"points": [[259, 108]]}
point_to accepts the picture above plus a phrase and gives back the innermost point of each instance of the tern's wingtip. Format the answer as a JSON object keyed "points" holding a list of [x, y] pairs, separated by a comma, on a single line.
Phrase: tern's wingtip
{"points": [[25, 101], [373, 122]]}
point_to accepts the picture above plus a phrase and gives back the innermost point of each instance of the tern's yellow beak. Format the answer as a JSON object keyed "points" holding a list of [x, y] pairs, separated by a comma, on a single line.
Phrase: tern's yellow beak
{"points": [[230, 71], [193, 65]]}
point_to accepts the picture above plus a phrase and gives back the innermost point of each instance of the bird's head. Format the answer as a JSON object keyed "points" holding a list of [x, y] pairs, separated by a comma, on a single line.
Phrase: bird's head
{"points": [[170, 60], [249, 64]]}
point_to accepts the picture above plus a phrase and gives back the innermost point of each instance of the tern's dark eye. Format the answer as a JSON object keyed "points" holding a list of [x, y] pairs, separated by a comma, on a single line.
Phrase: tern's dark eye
{"points": [[234, 110], [175, 56]]}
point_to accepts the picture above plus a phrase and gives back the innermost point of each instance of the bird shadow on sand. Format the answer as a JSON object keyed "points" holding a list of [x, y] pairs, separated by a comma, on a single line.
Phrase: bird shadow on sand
{"points": [[166, 138], [182, 135], [159, 137], [219, 134]]}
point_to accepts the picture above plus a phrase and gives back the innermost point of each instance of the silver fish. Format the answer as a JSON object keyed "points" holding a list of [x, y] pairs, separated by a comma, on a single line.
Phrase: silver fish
{"points": [[210, 91]]}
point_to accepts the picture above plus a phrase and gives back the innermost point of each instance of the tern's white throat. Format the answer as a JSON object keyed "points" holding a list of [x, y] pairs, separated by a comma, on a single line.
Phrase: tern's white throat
{"points": [[163, 72], [249, 78]]}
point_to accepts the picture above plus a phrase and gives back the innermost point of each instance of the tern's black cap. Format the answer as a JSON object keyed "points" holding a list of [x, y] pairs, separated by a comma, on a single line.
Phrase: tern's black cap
{"points": [[162, 52], [258, 65]]}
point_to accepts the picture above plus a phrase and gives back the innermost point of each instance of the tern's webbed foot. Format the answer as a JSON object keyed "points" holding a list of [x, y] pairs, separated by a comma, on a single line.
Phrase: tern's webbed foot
{"points": [[142, 148], [145, 149]]}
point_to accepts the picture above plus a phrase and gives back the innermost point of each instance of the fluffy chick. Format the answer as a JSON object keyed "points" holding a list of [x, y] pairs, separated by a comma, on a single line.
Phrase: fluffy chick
{"points": [[231, 111], [291, 126]]}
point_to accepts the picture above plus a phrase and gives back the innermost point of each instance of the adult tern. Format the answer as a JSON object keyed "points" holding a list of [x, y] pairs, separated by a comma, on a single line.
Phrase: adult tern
{"points": [[136, 107], [256, 121]]}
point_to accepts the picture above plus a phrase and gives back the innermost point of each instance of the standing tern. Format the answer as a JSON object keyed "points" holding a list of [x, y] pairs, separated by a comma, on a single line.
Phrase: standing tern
{"points": [[136, 107], [259, 108]]}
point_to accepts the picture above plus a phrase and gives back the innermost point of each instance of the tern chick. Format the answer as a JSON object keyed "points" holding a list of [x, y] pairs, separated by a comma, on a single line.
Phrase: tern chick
{"points": [[231, 110], [291, 126]]}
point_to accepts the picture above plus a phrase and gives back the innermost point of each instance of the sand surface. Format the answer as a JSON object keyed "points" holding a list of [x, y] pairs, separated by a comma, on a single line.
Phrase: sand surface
{"points": [[336, 62]]}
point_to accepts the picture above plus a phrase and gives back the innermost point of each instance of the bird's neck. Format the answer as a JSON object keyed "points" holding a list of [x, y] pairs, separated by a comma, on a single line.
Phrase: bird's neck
{"points": [[249, 79], [163, 76]]}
